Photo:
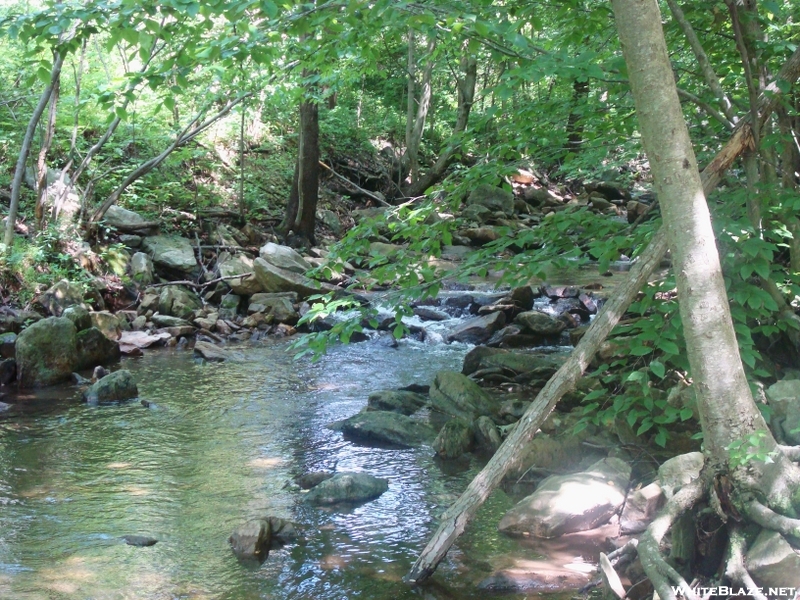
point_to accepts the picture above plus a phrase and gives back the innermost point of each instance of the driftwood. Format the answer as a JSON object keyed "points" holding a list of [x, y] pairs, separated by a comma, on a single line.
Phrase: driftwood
{"points": [[456, 518]]}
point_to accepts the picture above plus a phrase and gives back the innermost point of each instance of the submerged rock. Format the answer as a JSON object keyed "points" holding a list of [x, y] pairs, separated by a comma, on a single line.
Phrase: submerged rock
{"points": [[251, 541], [399, 401], [46, 352], [347, 487], [568, 503], [384, 427], [210, 352], [310, 480], [139, 540], [114, 387]]}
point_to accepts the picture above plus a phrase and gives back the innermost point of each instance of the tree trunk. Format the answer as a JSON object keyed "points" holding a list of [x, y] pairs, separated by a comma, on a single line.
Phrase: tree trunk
{"points": [[301, 209], [416, 126], [580, 92], [16, 185], [41, 162]]}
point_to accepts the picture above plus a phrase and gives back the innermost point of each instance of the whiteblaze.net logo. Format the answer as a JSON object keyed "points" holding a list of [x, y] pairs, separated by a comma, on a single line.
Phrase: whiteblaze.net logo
{"points": [[726, 591]]}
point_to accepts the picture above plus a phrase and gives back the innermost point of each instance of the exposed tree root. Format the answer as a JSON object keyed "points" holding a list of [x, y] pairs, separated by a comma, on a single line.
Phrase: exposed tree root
{"points": [[769, 519], [661, 574], [735, 568]]}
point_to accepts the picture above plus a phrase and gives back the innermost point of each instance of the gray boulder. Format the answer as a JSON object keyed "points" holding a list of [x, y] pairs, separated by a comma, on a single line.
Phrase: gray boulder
{"points": [[493, 198], [169, 321], [772, 562], [403, 402], [94, 348], [213, 353], [79, 316], [478, 329], [60, 296], [383, 427], [568, 503], [178, 301], [252, 540], [487, 437], [46, 352], [8, 342], [114, 387], [454, 439], [515, 363], [108, 324], [641, 508], [275, 279], [279, 306], [126, 220], [172, 253], [540, 323], [458, 396], [347, 487], [784, 399], [141, 268], [239, 264], [284, 257], [679, 471]]}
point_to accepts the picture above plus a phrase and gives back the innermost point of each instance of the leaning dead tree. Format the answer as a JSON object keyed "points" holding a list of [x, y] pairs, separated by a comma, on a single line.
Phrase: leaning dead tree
{"points": [[456, 518]]}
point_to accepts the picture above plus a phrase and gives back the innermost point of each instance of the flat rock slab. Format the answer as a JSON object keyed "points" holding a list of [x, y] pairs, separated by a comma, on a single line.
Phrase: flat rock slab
{"points": [[399, 401], [384, 427], [171, 252], [347, 488], [131, 341]]}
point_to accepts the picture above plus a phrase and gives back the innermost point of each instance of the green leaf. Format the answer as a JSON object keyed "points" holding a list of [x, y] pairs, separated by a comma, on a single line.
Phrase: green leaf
{"points": [[658, 368], [668, 347]]}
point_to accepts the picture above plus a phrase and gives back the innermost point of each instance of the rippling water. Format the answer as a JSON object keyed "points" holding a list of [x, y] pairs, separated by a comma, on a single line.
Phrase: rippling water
{"points": [[214, 451]]}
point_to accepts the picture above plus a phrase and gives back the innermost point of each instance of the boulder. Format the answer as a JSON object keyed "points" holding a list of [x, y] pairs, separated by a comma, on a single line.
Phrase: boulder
{"points": [[403, 402], [458, 396], [772, 562], [641, 507], [130, 341], [238, 264], [4, 407], [515, 363], [252, 540], [347, 487], [173, 254], [94, 348], [275, 279], [107, 323], [313, 479], [540, 323], [79, 316], [492, 197], [784, 399], [487, 437], [178, 301], [569, 503], [46, 352], [478, 329], [284, 258], [169, 321], [60, 296], [8, 371], [126, 220], [278, 308], [480, 236], [211, 352], [141, 268], [140, 541], [523, 297], [383, 427], [679, 471], [8, 342], [114, 387], [229, 306], [454, 439]]}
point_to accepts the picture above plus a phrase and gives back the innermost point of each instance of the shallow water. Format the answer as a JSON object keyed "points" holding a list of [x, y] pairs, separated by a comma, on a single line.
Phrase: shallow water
{"points": [[215, 451]]}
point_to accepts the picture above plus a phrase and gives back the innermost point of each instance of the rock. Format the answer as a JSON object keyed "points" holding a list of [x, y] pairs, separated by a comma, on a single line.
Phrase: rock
{"points": [[403, 402], [8, 342], [487, 437], [635, 210], [641, 507], [384, 427], [79, 316], [284, 258], [523, 297], [331, 221], [480, 236], [60, 296], [141, 269], [8, 371], [568, 503], [383, 249], [278, 308], [458, 396], [169, 321], [275, 279], [94, 348], [493, 198], [228, 236], [538, 196], [536, 576], [428, 314], [477, 213], [136, 340], [173, 254], [772, 562], [478, 329], [540, 323], [131, 240], [238, 264], [454, 439], [149, 303], [46, 352], [347, 487], [141, 541], [178, 301], [252, 540], [514, 363], [679, 471], [229, 306], [784, 399], [210, 352], [114, 387], [310, 480], [125, 220], [107, 323], [4, 407]]}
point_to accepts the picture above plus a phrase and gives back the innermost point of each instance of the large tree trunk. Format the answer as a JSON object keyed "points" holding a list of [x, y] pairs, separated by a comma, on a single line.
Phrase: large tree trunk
{"points": [[304, 194], [27, 140], [458, 516]]}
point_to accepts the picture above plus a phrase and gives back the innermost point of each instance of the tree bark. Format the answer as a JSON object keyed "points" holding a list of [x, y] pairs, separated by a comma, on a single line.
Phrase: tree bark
{"points": [[41, 162], [304, 194], [414, 131], [27, 140]]}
